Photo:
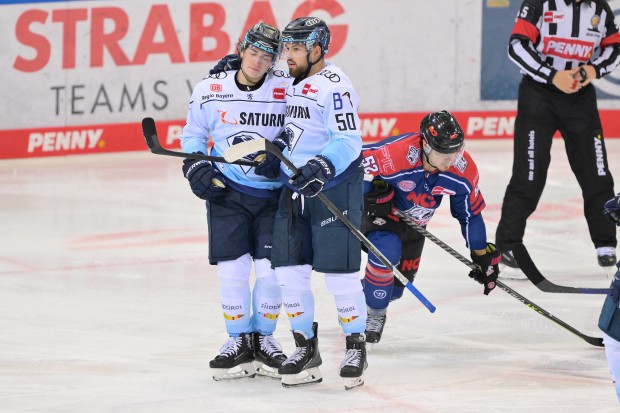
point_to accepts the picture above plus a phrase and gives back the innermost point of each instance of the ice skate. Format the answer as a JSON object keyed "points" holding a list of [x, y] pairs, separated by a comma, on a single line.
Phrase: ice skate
{"points": [[509, 269], [355, 362], [235, 359], [268, 355], [302, 367], [606, 256], [375, 321]]}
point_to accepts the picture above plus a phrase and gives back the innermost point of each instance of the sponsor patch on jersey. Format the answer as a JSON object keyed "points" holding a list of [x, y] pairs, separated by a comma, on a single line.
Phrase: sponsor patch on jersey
{"points": [[279, 93], [440, 190], [310, 90], [406, 186], [461, 164], [553, 17], [572, 49], [413, 155], [216, 87]]}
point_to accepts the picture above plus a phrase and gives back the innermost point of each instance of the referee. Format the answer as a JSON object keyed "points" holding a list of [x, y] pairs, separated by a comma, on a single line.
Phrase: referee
{"points": [[561, 46]]}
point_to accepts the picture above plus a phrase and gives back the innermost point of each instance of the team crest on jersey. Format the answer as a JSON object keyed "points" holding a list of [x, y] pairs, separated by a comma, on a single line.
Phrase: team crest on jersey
{"points": [[279, 93], [440, 190], [216, 87], [406, 186], [553, 17], [413, 155], [243, 137], [310, 90]]}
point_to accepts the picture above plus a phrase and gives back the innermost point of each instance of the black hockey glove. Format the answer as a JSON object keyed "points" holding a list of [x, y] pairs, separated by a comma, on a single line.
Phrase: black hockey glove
{"points": [[270, 167], [488, 269], [206, 181], [313, 176], [378, 201], [612, 209], [228, 62]]}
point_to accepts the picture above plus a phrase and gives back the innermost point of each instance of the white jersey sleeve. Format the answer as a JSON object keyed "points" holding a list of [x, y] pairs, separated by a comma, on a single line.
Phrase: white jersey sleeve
{"points": [[322, 118]]}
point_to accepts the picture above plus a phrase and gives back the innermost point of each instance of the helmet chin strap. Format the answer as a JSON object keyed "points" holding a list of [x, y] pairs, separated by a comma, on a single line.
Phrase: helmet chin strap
{"points": [[310, 64], [428, 161]]}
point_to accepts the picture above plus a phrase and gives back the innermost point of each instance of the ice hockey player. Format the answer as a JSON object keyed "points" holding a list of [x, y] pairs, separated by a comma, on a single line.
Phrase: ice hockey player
{"points": [[233, 106], [609, 320], [412, 172], [324, 143]]}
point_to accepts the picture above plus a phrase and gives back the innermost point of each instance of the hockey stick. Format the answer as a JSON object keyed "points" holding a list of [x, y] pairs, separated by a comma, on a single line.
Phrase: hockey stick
{"points": [[595, 341], [150, 135], [526, 264], [244, 148]]}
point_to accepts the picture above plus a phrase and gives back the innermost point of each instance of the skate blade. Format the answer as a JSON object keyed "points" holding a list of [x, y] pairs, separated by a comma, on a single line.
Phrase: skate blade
{"points": [[242, 371], [353, 382], [510, 273], [370, 346], [264, 370], [305, 377]]}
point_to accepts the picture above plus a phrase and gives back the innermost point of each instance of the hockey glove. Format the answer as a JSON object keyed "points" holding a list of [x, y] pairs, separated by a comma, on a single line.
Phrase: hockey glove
{"points": [[206, 181], [313, 176], [270, 167], [379, 200], [612, 209], [488, 269], [615, 286], [228, 62]]}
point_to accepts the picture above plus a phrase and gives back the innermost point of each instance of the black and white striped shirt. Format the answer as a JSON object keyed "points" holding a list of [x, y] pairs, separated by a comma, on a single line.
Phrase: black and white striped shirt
{"points": [[554, 35]]}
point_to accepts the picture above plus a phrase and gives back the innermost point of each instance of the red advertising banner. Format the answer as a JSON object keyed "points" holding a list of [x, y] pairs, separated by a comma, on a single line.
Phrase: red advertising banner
{"points": [[26, 143]]}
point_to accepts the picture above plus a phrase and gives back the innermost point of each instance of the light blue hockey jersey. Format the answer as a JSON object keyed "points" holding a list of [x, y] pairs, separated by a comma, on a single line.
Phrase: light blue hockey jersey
{"points": [[321, 118], [220, 110]]}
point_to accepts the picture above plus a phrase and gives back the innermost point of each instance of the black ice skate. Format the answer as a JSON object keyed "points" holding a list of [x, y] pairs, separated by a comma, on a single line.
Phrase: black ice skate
{"points": [[509, 268], [268, 355], [355, 362], [235, 359], [606, 256], [302, 367], [374, 327]]}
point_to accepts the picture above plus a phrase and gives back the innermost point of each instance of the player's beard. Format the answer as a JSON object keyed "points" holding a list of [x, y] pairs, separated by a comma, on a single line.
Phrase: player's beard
{"points": [[297, 70]]}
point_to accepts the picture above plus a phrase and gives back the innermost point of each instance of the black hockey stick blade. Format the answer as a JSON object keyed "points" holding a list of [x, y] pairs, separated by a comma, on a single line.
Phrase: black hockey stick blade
{"points": [[152, 141], [526, 264], [595, 341], [245, 148]]}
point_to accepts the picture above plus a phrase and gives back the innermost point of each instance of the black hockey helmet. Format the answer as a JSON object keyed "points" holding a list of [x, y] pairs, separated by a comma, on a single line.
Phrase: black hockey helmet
{"points": [[442, 132], [308, 30], [263, 37]]}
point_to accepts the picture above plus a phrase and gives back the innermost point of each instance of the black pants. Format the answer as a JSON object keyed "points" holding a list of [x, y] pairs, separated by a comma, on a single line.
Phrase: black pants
{"points": [[541, 112]]}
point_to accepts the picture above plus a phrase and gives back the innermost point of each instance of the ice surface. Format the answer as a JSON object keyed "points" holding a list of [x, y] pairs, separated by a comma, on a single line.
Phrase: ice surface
{"points": [[108, 304]]}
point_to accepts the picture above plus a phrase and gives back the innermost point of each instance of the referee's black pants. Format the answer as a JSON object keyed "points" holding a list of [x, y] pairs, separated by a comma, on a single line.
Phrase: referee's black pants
{"points": [[541, 112]]}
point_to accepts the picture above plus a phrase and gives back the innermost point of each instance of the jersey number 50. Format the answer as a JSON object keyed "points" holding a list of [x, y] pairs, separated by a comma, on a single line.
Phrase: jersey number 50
{"points": [[346, 121]]}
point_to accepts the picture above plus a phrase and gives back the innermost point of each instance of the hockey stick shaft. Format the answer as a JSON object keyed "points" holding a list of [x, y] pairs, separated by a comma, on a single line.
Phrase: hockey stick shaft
{"points": [[152, 141], [595, 341], [243, 148], [526, 264]]}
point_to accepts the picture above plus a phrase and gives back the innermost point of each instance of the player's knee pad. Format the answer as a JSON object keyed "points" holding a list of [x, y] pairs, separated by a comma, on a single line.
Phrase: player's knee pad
{"points": [[235, 270], [264, 272], [343, 284], [295, 277], [388, 243]]}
